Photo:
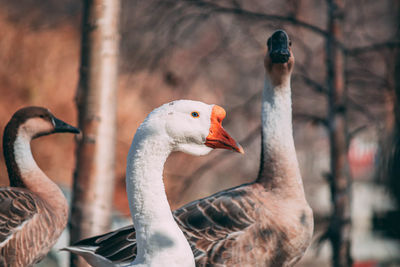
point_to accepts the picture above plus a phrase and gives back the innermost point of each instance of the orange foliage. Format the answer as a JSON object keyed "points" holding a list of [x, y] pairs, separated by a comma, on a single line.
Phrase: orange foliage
{"points": [[40, 68]]}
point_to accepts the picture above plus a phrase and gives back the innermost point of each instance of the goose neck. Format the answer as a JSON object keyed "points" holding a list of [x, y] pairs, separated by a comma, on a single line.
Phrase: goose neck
{"points": [[24, 172], [150, 210], [9, 141], [279, 166]]}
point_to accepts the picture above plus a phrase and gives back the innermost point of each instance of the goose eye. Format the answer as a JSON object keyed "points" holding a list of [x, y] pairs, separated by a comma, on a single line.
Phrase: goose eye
{"points": [[195, 114]]}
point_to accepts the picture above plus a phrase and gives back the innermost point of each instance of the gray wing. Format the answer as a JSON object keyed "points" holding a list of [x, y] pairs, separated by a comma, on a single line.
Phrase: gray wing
{"points": [[213, 224]]}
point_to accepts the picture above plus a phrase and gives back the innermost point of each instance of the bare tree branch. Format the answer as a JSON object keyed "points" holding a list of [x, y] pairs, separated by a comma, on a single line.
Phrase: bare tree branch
{"points": [[309, 117], [255, 15], [312, 83], [355, 132], [389, 44]]}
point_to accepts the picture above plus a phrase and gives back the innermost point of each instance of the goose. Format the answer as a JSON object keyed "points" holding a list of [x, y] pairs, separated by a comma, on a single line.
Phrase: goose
{"points": [[188, 126], [33, 210], [267, 222]]}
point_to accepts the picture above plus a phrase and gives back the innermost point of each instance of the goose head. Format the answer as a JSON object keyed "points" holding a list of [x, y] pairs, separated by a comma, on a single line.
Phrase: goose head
{"points": [[192, 127], [279, 60], [32, 122]]}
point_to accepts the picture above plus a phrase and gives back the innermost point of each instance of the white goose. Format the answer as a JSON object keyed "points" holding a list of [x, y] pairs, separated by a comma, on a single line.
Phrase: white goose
{"points": [[188, 126], [33, 211], [264, 223]]}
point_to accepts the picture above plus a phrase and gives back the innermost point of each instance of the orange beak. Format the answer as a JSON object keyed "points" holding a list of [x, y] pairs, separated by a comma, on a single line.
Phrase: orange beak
{"points": [[218, 137]]}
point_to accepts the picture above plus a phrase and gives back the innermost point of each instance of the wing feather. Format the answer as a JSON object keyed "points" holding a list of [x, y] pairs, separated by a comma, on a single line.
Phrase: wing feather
{"points": [[17, 207], [209, 224]]}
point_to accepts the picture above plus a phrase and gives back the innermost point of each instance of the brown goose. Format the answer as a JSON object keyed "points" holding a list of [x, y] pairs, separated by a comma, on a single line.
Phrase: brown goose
{"points": [[264, 223], [33, 210]]}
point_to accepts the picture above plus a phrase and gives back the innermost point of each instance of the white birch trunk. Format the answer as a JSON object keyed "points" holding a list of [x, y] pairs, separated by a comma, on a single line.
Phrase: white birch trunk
{"points": [[96, 101]]}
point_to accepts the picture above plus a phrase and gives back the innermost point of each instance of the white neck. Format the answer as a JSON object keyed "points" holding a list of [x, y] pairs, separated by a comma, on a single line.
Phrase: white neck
{"points": [[35, 179], [23, 155], [157, 234], [279, 167]]}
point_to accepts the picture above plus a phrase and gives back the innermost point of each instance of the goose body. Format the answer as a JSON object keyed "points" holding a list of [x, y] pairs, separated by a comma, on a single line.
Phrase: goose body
{"points": [[33, 210], [264, 223], [189, 126]]}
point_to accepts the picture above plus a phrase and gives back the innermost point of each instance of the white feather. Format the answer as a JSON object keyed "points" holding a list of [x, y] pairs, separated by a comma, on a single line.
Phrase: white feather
{"points": [[23, 155]]}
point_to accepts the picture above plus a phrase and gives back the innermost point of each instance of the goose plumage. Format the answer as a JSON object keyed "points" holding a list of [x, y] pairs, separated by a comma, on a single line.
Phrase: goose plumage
{"points": [[188, 126], [264, 223], [33, 210]]}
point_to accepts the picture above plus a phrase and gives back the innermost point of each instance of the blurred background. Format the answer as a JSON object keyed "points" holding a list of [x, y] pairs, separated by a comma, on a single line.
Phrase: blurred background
{"points": [[213, 51]]}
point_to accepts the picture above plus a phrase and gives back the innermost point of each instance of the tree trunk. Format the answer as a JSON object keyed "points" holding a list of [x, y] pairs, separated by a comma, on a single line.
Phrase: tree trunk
{"points": [[96, 101], [393, 149], [340, 227]]}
